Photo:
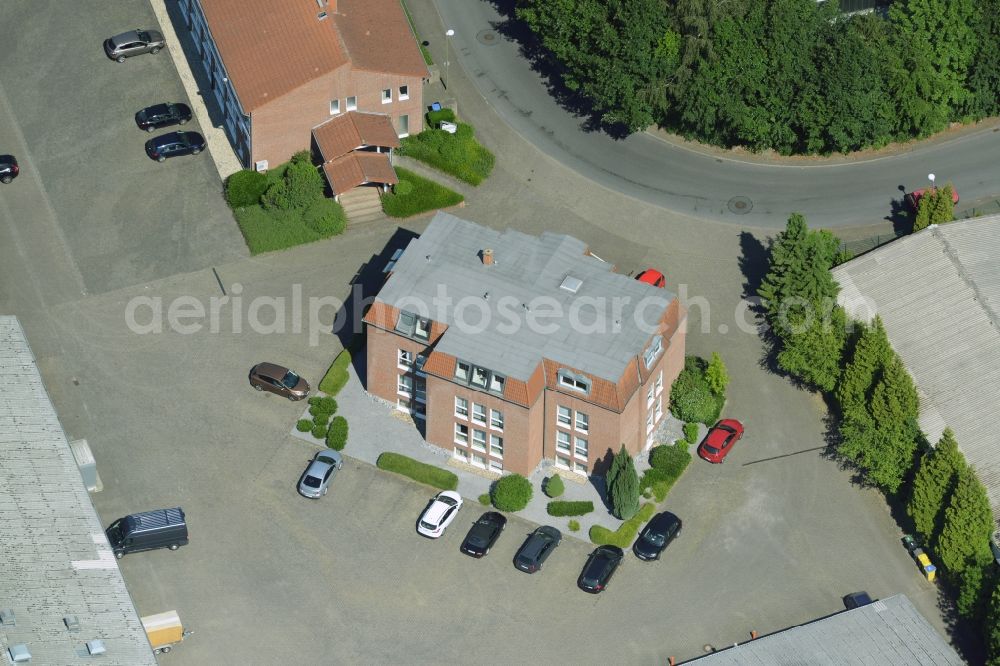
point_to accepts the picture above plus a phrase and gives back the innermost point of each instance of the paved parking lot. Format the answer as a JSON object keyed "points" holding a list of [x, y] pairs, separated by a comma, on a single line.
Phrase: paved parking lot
{"points": [[122, 218]]}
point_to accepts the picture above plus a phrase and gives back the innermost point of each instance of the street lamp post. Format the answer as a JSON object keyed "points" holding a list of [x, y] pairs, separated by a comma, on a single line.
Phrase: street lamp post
{"points": [[931, 177], [449, 33]]}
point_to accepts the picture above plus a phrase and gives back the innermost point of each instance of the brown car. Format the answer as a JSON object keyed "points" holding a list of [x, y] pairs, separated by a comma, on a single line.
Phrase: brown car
{"points": [[280, 380]]}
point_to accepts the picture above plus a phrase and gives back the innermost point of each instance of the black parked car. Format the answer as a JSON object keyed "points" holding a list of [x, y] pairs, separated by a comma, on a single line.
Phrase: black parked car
{"points": [[857, 600], [162, 115], [175, 144], [656, 536], [599, 569], [537, 548], [483, 534], [8, 168]]}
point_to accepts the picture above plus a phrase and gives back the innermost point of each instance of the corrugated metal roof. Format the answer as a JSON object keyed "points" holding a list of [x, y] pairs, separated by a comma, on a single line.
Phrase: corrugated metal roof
{"points": [[938, 293], [55, 558], [890, 632], [497, 314]]}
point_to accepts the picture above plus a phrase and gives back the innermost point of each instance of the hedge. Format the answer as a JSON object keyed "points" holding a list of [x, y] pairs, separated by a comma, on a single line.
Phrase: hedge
{"points": [[337, 436], [668, 463], [624, 535], [569, 508], [512, 493], [323, 404], [458, 154], [435, 117], [337, 375], [418, 471]]}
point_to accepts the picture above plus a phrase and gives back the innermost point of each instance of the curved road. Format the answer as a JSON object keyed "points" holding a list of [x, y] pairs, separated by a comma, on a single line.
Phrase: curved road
{"points": [[700, 184]]}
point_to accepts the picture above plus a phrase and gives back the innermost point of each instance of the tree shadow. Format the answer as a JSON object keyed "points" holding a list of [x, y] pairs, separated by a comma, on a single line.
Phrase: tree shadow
{"points": [[552, 72], [753, 262], [900, 214]]}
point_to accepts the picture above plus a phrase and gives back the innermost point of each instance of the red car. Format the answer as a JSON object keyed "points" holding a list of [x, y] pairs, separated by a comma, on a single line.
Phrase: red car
{"points": [[720, 440], [653, 277], [913, 198]]}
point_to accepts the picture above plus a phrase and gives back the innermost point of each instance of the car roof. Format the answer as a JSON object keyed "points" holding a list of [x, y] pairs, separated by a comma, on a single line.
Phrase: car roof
{"points": [[323, 461], [435, 512], [720, 432], [650, 276], [128, 36], [662, 520], [272, 370]]}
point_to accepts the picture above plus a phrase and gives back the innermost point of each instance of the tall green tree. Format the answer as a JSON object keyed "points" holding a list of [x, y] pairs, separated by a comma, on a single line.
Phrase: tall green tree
{"points": [[871, 353], [968, 525], [984, 71], [716, 375], [814, 345], [936, 206], [623, 487], [933, 484]]}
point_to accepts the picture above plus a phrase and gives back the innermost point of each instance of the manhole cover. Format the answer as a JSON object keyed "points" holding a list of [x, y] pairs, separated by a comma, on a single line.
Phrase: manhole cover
{"points": [[488, 37], [740, 205]]}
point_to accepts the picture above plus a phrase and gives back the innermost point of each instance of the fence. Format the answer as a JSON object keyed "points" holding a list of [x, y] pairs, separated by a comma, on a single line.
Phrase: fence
{"points": [[862, 245]]}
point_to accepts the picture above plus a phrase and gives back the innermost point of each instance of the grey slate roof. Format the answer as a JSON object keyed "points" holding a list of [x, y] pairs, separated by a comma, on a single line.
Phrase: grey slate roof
{"points": [[527, 270], [54, 558], [890, 632], [938, 293]]}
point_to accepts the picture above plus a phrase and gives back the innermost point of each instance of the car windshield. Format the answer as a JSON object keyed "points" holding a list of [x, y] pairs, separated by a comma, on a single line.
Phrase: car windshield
{"points": [[115, 532], [144, 36], [711, 449], [447, 500], [290, 379], [427, 526], [326, 459], [653, 538], [312, 481]]}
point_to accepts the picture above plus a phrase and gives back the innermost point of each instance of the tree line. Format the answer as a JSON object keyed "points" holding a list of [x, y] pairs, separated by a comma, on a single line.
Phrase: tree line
{"points": [[794, 76], [875, 408]]}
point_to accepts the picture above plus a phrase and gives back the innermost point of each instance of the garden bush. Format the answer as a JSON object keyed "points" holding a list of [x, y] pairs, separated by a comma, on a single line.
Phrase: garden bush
{"points": [[325, 217], [574, 526], [668, 463], [484, 499], [323, 403], [554, 486], [459, 154], [304, 425], [337, 375], [569, 508], [321, 419], [418, 471], [691, 433], [319, 431], [435, 117], [691, 397], [425, 195], [337, 437], [624, 535], [245, 188], [512, 493]]}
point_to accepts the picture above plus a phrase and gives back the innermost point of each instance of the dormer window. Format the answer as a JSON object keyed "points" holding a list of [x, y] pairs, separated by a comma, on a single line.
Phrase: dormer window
{"points": [[423, 328], [480, 377], [413, 326], [573, 381], [653, 352], [497, 382]]}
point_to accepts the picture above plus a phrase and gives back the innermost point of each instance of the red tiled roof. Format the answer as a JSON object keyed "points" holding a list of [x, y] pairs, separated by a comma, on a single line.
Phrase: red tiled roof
{"points": [[602, 392], [270, 48], [342, 134], [347, 172], [382, 315], [378, 37]]}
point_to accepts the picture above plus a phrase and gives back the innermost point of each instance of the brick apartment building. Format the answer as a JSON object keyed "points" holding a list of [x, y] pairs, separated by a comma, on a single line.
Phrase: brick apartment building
{"points": [[278, 68], [462, 336]]}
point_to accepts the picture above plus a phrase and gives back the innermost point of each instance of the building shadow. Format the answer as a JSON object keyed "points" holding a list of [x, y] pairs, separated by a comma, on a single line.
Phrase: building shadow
{"points": [[552, 72], [194, 59]]}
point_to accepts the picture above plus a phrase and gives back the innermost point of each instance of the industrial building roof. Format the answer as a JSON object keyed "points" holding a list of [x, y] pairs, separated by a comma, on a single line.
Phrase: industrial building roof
{"points": [[938, 294], [498, 315], [55, 562], [890, 632]]}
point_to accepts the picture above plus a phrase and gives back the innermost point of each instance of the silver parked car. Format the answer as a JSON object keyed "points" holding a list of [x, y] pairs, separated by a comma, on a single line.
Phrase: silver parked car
{"points": [[133, 43], [316, 479]]}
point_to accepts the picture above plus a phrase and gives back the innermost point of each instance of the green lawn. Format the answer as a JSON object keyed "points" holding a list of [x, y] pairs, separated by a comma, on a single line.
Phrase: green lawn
{"points": [[459, 154], [415, 194]]}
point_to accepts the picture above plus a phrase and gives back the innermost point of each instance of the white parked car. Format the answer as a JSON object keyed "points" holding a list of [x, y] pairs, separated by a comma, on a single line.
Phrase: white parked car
{"points": [[439, 514]]}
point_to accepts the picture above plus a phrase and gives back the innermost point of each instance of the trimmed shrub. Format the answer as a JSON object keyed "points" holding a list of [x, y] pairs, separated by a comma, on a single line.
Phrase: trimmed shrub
{"points": [[484, 499], [325, 217], [668, 463], [304, 425], [337, 375], [321, 419], [319, 431], [435, 117], [418, 471], [624, 535], [324, 402], [574, 526], [458, 154], [512, 493], [337, 437], [569, 508], [691, 398], [426, 195], [402, 188], [691, 432], [320, 413], [554, 486], [245, 188]]}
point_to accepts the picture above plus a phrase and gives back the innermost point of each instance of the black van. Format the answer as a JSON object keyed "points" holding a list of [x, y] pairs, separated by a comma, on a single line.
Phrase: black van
{"points": [[163, 528]]}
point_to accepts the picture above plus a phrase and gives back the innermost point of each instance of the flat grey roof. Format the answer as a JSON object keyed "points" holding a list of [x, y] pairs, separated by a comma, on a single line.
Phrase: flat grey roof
{"points": [[55, 559], [938, 293], [597, 331], [890, 632]]}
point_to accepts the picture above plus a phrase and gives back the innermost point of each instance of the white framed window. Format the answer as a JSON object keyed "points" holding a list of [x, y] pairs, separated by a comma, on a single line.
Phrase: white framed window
{"points": [[659, 383], [562, 441], [461, 408], [404, 92], [582, 422], [496, 446], [478, 460], [496, 419], [404, 125], [334, 107], [564, 416], [480, 376], [579, 467], [581, 448], [460, 454], [404, 405], [479, 413], [462, 371], [496, 466], [563, 462], [497, 382], [649, 397], [659, 408], [649, 423], [352, 103], [420, 389], [422, 329], [405, 359], [651, 354], [404, 384], [479, 440], [387, 95], [461, 434]]}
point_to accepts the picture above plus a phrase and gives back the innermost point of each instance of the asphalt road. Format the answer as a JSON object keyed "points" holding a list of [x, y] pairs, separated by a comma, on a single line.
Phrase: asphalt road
{"points": [[687, 181]]}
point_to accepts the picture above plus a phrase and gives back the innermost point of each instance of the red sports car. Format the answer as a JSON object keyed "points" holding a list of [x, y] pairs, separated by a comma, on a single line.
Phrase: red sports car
{"points": [[653, 277], [720, 440]]}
